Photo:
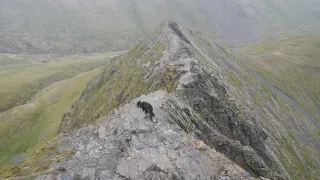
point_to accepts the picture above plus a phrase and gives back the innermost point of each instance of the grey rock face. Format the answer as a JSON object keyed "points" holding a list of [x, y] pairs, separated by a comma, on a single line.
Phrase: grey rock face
{"points": [[133, 147], [204, 106]]}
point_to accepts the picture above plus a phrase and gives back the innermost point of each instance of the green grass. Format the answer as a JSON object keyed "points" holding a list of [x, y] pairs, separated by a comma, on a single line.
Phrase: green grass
{"points": [[39, 163], [296, 81], [296, 167], [303, 49], [317, 132], [306, 152], [20, 82], [299, 83], [154, 54], [35, 92], [26, 128], [11, 60], [233, 79], [294, 76]]}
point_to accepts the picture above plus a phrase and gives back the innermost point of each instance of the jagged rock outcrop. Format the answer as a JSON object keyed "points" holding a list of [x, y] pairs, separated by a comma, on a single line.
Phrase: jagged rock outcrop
{"points": [[204, 119], [125, 145]]}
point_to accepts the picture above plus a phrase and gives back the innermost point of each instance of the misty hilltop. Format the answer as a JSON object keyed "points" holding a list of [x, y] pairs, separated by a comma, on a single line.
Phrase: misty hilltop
{"points": [[72, 26]]}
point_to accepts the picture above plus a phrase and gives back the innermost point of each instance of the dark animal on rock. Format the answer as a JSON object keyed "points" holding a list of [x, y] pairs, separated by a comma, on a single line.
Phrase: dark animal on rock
{"points": [[147, 108]]}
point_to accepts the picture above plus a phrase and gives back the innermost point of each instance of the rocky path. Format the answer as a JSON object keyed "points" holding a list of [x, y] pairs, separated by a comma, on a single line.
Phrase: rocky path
{"points": [[126, 145]]}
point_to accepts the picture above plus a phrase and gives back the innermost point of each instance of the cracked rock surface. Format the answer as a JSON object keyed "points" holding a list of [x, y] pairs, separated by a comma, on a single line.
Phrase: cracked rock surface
{"points": [[126, 145]]}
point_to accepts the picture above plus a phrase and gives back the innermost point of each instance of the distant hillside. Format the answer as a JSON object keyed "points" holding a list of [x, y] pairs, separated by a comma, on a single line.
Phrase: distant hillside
{"points": [[96, 25], [35, 91], [292, 64]]}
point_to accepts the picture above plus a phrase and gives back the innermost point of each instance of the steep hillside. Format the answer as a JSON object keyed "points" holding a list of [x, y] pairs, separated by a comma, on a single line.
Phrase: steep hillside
{"points": [[96, 25], [210, 106], [25, 128], [21, 76], [35, 91], [292, 65]]}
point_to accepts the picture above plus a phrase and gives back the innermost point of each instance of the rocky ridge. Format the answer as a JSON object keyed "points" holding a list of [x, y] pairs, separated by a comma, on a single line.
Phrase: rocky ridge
{"points": [[125, 145], [205, 120]]}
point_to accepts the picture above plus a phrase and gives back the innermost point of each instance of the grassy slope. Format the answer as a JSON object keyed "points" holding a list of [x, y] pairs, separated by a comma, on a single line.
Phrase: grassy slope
{"points": [[19, 82], [29, 126], [302, 49], [297, 156], [290, 64], [293, 66], [34, 95]]}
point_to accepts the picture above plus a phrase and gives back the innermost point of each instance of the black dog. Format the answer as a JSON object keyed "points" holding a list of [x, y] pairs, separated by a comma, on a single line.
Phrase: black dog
{"points": [[147, 108]]}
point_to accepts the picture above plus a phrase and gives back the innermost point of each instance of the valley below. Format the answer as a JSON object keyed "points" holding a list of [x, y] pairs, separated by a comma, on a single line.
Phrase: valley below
{"points": [[35, 92]]}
